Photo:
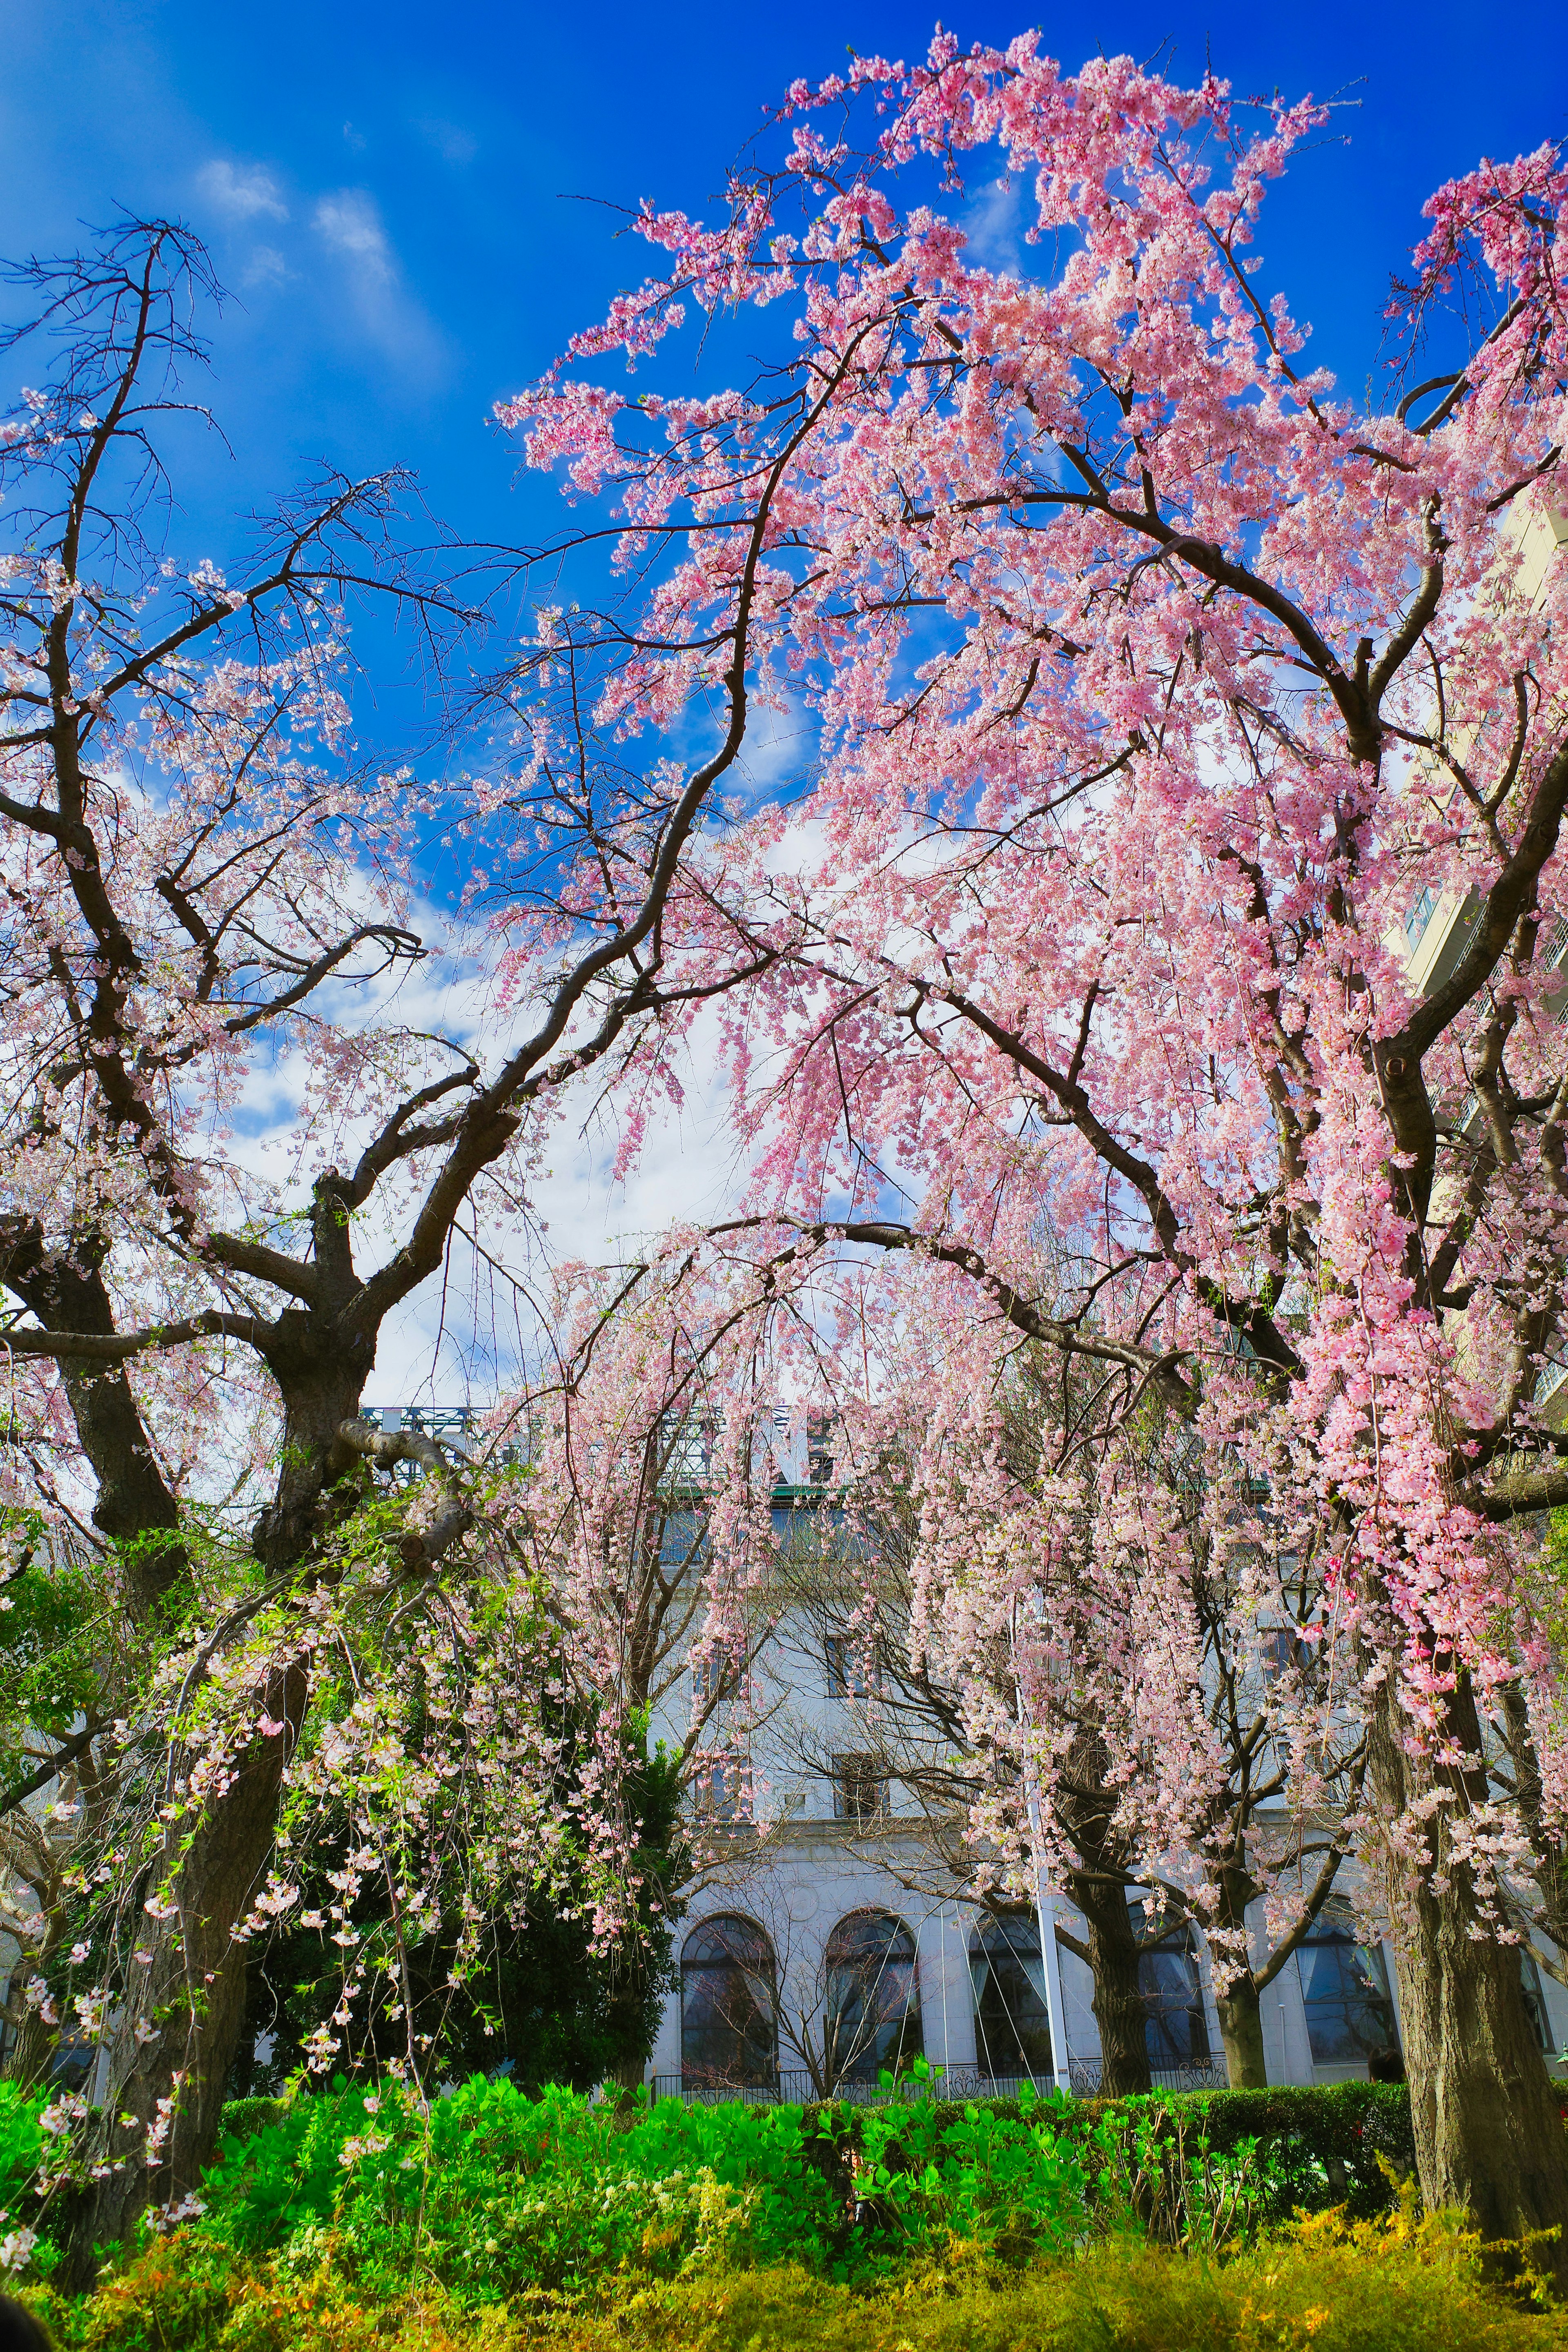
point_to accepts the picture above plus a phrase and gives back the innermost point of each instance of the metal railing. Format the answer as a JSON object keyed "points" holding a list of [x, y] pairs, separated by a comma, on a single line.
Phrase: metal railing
{"points": [[793, 2086]]}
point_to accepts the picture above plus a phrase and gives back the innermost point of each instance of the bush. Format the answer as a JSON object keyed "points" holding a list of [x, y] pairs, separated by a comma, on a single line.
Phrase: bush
{"points": [[1306, 2150], [557, 2194], [1184, 2166], [551, 2193], [1327, 2284], [244, 2117]]}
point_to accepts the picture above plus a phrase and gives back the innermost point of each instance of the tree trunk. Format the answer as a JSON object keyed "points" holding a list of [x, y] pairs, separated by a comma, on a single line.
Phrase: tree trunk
{"points": [[1085, 1806], [1240, 2009], [1489, 2134], [133, 1507], [170, 2047], [172, 2042], [31, 2051], [1117, 2004]]}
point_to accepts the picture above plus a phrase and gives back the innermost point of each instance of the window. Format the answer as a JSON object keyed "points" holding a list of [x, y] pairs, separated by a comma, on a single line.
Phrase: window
{"points": [[682, 1541], [1012, 2022], [723, 1786], [1350, 2016], [1534, 1993], [859, 1789], [710, 1677], [729, 2030], [872, 2017], [1420, 915], [1290, 1653], [851, 1670], [1177, 2033]]}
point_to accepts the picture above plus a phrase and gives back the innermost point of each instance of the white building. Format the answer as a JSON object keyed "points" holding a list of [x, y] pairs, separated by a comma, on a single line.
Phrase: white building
{"points": [[828, 1944], [781, 1948]]}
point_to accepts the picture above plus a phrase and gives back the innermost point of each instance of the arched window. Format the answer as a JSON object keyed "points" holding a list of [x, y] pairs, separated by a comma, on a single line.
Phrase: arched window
{"points": [[1176, 2033], [1350, 2016], [729, 2030], [1535, 2008], [872, 2017], [1012, 2024]]}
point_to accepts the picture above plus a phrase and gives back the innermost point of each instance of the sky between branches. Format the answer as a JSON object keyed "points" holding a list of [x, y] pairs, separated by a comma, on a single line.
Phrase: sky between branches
{"points": [[387, 192]]}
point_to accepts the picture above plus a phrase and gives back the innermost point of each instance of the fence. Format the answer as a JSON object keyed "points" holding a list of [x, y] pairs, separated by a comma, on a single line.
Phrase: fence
{"points": [[793, 2086]]}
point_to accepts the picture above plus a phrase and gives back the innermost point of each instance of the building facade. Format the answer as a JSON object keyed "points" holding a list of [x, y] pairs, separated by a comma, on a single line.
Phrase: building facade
{"points": [[838, 1894]]}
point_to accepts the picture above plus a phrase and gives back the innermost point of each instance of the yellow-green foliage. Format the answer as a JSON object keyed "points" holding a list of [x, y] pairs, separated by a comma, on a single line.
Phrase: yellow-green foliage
{"points": [[1403, 2284]]}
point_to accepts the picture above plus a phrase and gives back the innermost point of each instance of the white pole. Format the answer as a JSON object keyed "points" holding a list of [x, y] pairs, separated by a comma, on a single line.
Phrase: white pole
{"points": [[1045, 1901]]}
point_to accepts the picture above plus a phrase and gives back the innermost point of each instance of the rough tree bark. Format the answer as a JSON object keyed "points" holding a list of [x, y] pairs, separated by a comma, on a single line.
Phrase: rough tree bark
{"points": [[188, 2003], [1488, 2132], [185, 2005], [1114, 1949], [133, 1507], [1240, 2011], [1098, 1885]]}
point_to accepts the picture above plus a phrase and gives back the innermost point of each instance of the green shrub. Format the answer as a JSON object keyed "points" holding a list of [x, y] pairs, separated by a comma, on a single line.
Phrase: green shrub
{"points": [[492, 2194], [557, 2192], [21, 2153], [1310, 2148], [1314, 2149], [550, 2193], [242, 2117]]}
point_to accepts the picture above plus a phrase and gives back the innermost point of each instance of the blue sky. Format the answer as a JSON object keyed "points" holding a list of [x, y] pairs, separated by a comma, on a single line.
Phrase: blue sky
{"points": [[383, 186], [382, 190]]}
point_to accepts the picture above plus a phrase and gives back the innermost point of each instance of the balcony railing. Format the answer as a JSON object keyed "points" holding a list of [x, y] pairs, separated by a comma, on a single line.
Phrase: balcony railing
{"points": [[793, 2085]]}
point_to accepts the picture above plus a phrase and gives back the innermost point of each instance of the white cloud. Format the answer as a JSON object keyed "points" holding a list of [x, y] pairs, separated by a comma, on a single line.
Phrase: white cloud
{"points": [[994, 223], [779, 755], [350, 224], [248, 193], [466, 1335], [450, 140], [385, 315], [266, 266]]}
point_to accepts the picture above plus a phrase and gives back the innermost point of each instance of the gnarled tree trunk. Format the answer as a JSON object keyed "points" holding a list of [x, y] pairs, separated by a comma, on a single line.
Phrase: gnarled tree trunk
{"points": [[1086, 1808], [1114, 1951], [1488, 2133], [174, 2040], [170, 2047], [1240, 2011]]}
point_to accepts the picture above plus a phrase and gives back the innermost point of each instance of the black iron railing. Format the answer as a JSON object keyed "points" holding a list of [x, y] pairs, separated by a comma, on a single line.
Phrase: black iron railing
{"points": [[793, 2086]]}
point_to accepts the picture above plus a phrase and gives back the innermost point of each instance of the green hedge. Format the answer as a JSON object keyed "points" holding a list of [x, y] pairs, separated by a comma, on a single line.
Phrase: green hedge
{"points": [[1316, 2146], [241, 2118], [1319, 2147]]}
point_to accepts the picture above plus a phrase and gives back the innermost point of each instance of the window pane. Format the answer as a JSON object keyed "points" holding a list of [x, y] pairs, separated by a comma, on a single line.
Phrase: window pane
{"points": [[1177, 2032], [851, 1671], [1350, 2017], [1012, 2022], [1535, 2002], [872, 2017], [727, 2009], [859, 1788]]}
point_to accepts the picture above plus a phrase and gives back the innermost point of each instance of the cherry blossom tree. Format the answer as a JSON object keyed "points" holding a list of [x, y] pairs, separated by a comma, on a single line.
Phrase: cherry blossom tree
{"points": [[206, 888], [1157, 682]]}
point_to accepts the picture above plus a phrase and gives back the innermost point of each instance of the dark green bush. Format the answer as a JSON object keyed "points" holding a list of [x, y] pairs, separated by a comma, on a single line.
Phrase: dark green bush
{"points": [[244, 2117], [1316, 2147], [1308, 2148]]}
